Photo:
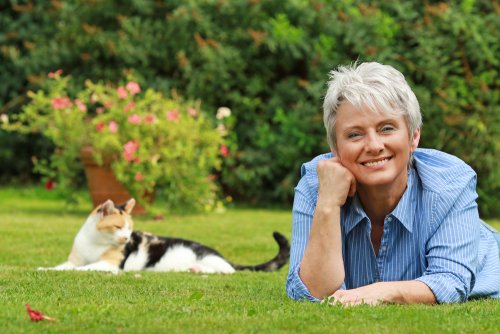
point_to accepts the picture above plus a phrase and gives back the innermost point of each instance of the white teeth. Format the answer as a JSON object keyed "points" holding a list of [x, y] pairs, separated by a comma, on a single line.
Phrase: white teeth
{"points": [[375, 163]]}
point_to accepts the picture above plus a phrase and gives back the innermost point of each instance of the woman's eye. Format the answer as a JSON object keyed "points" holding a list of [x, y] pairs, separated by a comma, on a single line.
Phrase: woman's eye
{"points": [[353, 135], [387, 128]]}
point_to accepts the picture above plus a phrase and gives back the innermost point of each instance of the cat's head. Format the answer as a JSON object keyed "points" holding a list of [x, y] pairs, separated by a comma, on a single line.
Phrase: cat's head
{"points": [[114, 222]]}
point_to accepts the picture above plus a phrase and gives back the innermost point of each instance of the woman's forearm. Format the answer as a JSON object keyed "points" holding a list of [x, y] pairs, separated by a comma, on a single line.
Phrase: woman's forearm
{"points": [[406, 292], [322, 267]]}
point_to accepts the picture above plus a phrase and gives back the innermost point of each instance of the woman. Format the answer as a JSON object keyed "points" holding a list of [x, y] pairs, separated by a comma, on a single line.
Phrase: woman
{"points": [[378, 220]]}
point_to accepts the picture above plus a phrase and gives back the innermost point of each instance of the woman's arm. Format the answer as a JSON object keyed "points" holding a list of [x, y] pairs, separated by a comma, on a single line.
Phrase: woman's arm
{"points": [[322, 266]]}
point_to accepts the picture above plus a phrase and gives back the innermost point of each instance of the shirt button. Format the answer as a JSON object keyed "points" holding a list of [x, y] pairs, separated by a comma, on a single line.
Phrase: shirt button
{"points": [[389, 219], [383, 248]]}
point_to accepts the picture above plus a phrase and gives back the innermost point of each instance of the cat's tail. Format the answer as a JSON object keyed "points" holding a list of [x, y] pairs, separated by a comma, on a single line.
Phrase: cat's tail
{"points": [[277, 262]]}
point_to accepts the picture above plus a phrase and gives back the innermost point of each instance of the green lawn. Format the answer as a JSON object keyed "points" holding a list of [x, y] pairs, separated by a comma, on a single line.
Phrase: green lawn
{"points": [[36, 231]]}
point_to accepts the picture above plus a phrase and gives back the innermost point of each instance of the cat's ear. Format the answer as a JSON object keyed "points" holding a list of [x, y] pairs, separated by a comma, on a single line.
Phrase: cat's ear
{"points": [[129, 205], [107, 208]]}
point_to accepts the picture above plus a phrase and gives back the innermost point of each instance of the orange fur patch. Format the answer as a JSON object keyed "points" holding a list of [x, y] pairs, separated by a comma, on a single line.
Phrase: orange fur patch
{"points": [[113, 255], [111, 223]]}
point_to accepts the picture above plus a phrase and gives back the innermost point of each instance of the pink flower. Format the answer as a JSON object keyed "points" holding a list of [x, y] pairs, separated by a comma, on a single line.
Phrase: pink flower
{"points": [[61, 102], [129, 106], [129, 150], [122, 92], [99, 110], [173, 115], [99, 127], [55, 74], [138, 176], [224, 151], [81, 105], [113, 127], [192, 112], [108, 104], [133, 87], [150, 119], [135, 119]]}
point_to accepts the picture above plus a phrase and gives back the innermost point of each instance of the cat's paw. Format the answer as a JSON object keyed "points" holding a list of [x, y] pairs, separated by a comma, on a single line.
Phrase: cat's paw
{"points": [[195, 269]]}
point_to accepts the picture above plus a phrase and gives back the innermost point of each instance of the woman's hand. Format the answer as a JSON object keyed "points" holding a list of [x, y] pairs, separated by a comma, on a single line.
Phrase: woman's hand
{"points": [[335, 183], [369, 294], [398, 292]]}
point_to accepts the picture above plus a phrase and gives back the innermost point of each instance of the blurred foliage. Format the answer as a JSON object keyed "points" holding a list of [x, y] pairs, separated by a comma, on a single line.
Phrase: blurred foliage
{"points": [[268, 61], [152, 143]]}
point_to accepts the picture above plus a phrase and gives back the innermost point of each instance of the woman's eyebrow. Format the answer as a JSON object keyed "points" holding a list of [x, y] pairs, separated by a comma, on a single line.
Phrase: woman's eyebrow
{"points": [[379, 123]]}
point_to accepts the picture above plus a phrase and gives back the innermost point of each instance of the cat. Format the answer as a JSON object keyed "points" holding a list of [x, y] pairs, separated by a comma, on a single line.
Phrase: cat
{"points": [[107, 242]]}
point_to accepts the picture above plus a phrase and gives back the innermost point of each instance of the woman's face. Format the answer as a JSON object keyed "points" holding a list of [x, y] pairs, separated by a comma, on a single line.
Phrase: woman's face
{"points": [[374, 147]]}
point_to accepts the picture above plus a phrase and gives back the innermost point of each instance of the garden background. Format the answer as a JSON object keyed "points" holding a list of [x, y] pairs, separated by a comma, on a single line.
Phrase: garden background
{"points": [[267, 61]]}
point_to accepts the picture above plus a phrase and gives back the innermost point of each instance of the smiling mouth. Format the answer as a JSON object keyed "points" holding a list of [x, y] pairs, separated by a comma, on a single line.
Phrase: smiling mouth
{"points": [[375, 163]]}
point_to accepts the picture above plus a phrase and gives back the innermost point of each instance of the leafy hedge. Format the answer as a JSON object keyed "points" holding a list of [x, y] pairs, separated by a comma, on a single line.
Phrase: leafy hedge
{"points": [[268, 61]]}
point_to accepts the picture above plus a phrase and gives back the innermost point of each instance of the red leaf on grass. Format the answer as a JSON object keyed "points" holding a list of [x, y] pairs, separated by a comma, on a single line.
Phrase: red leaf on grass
{"points": [[37, 315]]}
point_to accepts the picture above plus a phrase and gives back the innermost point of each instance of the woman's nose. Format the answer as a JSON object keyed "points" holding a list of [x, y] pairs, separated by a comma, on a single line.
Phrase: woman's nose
{"points": [[374, 143]]}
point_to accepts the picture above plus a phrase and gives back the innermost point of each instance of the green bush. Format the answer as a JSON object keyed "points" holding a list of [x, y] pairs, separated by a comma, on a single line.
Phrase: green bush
{"points": [[268, 61]]}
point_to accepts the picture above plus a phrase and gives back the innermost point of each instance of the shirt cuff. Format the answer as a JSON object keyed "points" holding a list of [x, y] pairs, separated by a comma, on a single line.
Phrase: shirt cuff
{"points": [[447, 288], [296, 289]]}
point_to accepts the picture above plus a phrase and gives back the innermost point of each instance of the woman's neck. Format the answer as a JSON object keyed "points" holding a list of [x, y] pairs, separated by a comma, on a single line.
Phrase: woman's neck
{"points": [[379, 201]]}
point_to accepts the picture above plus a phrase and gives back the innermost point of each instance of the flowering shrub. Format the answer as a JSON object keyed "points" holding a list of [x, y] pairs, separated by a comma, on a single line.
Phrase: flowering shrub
{"points": [[155, 144]]}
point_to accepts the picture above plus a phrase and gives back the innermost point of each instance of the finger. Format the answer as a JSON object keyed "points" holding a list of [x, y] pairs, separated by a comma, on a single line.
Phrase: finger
{"points": [[333, 299]]}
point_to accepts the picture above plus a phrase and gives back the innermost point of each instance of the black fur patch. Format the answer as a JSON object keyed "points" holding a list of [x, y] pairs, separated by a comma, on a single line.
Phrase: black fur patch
{"points": [[162, 245], [158, 246], [131, 246], [121, 207]]}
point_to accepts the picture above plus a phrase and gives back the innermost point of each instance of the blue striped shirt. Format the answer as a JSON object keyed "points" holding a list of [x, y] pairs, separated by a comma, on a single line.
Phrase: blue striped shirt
{"points": [[434, 235]]}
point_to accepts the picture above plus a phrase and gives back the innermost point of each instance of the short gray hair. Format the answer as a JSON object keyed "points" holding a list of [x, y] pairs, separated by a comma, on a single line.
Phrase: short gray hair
{"points": [[380, 87]]}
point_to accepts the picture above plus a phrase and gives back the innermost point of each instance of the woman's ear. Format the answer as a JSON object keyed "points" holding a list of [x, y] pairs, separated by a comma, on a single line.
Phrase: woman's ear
{"points": [[414, 140]]}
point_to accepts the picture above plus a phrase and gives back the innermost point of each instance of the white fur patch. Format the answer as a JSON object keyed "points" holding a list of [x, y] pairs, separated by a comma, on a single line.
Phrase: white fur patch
{"points": [[218, 264], [137, 260], [179, 259]]}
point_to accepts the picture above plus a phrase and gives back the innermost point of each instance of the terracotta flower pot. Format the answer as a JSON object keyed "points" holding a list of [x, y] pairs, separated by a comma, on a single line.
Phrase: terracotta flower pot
{"points": [[103, 184]]}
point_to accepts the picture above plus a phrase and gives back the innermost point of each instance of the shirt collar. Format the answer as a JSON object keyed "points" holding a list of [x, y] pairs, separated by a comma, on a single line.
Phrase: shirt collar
{"points": [[353, 214], [403, 212]]}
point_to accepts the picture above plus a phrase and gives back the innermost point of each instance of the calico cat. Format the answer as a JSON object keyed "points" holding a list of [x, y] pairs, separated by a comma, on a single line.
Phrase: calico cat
{"points": [[107, 242]]}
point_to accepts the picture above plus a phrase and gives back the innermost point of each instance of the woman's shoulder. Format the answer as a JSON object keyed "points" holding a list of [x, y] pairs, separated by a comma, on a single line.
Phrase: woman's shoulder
{"points": [[309, 168], [440, 171]]}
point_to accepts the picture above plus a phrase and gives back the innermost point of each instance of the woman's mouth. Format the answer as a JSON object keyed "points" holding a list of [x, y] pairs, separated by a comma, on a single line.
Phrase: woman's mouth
{"points": [[375, 163]]}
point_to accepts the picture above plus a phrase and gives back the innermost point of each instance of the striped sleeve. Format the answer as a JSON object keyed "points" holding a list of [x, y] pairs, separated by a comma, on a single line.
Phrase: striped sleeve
{"points": [[303, 211], [452, 251]]}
